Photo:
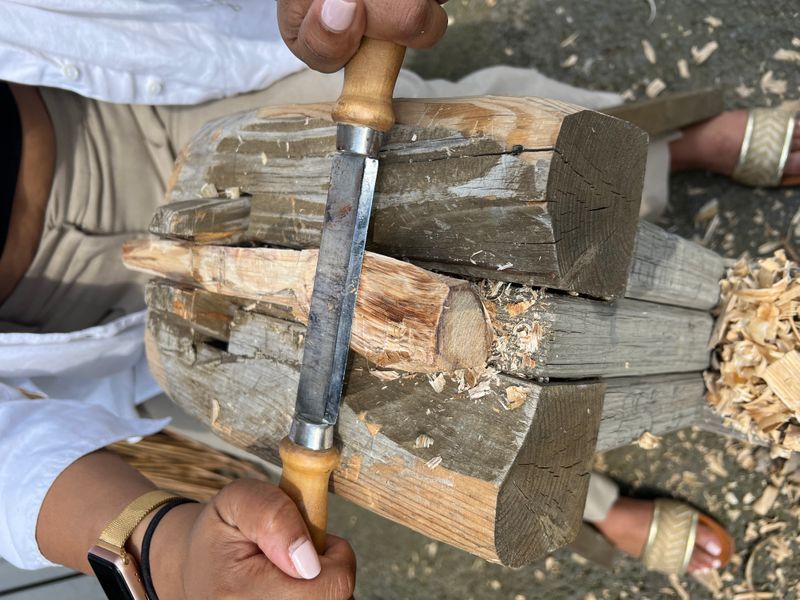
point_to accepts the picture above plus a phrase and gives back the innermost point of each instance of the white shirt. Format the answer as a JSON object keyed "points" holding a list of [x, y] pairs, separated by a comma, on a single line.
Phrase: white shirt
{"points": [[144, 51], [89, 382]]}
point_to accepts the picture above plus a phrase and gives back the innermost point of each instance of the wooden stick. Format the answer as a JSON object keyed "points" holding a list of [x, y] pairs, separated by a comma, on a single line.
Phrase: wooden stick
{"points": [[406, 317]]}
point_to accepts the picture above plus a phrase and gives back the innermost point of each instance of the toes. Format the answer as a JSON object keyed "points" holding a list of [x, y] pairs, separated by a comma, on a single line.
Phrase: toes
{"points": [[706, 540], [703, 561]]}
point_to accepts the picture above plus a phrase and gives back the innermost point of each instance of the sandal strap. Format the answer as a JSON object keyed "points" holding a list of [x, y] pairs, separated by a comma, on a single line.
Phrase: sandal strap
{"points": [[671, 538], [765, 148]]}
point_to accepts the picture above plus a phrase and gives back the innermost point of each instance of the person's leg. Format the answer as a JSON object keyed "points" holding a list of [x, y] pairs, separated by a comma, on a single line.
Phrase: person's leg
{"points": [[625, 522], [714, 145]]}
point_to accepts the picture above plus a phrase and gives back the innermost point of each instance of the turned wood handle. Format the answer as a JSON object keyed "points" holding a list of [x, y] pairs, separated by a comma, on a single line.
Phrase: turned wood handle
{"points": [[305, 479], [369, 80]]}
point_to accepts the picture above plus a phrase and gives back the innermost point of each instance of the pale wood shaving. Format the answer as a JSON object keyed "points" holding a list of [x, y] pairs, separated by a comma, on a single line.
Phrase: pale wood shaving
{"points": [[787, 55], [649, 52], [757, 328], [770, 85], [654, 88], [701, 55], [648, 441], [763, 505], [683, 69], [712, 21]]}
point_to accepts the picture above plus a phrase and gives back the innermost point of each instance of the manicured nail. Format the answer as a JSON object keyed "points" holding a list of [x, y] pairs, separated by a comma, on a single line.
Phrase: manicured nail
{"points": [[304, 558], [716, 563], [713, 548], [338, 15]]}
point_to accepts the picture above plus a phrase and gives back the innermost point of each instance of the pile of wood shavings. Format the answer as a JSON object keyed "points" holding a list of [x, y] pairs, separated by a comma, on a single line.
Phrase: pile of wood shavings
{"points": [[756, 386]]}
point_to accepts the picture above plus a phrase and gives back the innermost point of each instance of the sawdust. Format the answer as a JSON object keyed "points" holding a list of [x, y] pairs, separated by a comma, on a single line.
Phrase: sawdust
{"points": [[758, 327]]}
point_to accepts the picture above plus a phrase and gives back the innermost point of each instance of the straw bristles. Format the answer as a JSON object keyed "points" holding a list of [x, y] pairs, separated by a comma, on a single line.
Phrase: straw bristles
{"points": [[185, 467]]}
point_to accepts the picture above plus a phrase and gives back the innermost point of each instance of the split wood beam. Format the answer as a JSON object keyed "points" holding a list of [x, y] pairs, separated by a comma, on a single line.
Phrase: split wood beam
{"points": [[405, 318], [464, 185], [409, 319], [495, 465]]}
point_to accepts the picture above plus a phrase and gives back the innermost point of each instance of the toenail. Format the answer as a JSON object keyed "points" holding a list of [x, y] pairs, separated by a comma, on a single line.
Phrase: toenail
{"points": [[714, 548]]}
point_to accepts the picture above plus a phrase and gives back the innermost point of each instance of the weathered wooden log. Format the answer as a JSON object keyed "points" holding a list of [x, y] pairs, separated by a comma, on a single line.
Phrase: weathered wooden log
{"points": [[657, 404], [491, 464], [406, 317], [409, 319], [465, 184], [665, 268], [668, 269], [544, 334]]}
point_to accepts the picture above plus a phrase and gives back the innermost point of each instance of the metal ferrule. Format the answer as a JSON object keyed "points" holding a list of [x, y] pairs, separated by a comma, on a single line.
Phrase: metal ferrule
{"points": [[358, 139], [314, 436]]}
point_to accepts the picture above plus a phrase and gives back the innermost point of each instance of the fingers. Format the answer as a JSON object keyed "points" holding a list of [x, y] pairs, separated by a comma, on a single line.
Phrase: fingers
{"points": [[265, 515], [411, 23], [325, 34]]}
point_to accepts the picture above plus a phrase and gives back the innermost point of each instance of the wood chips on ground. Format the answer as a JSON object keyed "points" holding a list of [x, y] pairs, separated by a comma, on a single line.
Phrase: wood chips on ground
{"points": [[756, 386]]}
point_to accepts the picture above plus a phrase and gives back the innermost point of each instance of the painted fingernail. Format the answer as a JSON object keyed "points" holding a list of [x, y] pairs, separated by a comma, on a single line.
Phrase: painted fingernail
{"points": [[304, 558], [338, 15], [714, 548]]}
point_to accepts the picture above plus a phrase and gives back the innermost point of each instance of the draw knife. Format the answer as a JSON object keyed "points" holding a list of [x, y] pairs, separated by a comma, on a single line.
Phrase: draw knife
{"points": [[363, 114]]}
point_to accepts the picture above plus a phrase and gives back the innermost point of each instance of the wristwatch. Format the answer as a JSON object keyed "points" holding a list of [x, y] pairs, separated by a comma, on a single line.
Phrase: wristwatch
{"points": [[116, 569]]}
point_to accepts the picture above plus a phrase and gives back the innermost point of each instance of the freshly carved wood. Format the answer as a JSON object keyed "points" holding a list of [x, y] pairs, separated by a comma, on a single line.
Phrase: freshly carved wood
{"points": [[545, 334], [491, 464], [669, 269], [406, 317], [522, 189]]}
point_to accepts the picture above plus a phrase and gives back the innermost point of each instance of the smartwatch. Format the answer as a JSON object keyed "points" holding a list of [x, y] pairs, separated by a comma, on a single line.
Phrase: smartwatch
{"points": [[115, 568]]}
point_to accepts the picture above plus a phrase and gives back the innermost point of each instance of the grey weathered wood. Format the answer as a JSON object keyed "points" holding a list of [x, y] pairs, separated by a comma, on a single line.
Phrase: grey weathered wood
{"points": [[12, 578], [545, 334], [515, 455], [526, 190], [657, 404], [669, 269], [217, 220], [671, 112]]}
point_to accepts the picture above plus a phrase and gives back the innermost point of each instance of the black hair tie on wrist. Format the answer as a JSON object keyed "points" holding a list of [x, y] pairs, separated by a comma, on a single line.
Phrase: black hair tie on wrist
{"points": [[147, 579]]}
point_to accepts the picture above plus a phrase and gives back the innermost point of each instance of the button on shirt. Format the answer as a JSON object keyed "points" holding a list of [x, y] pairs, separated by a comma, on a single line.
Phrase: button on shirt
{"points": [[65, 395], [144, 51]]}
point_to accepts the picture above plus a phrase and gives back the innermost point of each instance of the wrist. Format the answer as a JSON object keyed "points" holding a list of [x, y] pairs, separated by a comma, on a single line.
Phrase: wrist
{"points": [[169, 546]]}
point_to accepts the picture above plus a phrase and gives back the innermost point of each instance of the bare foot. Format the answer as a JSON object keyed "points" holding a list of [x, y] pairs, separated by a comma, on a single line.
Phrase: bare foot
{"points": [[714, 145], [628, 523]]}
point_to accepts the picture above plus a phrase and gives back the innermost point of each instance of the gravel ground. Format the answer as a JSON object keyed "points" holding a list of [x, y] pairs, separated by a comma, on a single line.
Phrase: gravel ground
{"points": [[599, 45]]}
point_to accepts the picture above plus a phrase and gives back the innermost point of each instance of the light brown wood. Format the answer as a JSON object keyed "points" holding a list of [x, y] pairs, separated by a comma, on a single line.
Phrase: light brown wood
{"points": [[305, 480], [495, 465], [406, 318], [369, 80], [528, 190]]}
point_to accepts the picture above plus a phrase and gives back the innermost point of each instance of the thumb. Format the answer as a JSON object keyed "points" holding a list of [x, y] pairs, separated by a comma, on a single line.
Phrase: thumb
{"points": [[324, 34], [265, 515]]}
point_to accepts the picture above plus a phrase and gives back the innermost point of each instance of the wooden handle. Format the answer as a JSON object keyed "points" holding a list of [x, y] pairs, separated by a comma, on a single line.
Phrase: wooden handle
{"points": [[369, 80], [305, 479]]}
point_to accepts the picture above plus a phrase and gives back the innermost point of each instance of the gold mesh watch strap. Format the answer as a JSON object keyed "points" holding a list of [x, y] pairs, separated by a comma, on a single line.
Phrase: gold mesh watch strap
{"points": [[119, 530]]}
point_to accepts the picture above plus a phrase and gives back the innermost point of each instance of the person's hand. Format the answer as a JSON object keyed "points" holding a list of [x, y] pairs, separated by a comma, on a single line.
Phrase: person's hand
{"points": [[326, 33], [248, 542]]}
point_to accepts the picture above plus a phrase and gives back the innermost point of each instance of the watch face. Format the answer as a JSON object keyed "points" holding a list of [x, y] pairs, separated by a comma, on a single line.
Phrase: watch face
{"points": [[120, 581]]}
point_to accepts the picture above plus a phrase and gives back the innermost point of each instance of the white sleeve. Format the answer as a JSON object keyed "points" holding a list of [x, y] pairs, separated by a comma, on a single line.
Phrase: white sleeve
{"points": [[38, 440]]}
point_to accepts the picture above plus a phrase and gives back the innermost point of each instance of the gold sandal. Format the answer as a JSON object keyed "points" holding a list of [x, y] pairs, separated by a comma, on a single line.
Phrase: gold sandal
{"points": [[672, 536], [765, 148]]}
